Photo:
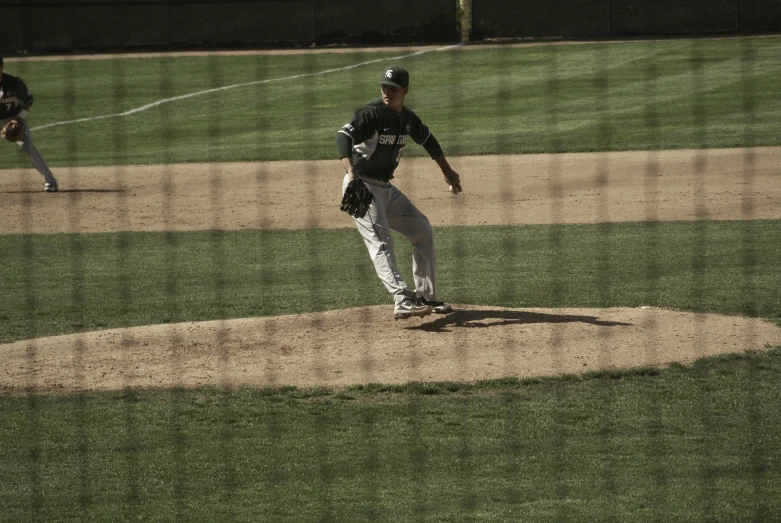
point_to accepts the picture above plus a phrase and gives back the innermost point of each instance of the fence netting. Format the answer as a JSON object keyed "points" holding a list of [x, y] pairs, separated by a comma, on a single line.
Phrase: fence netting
{"points": [[193, 330]]}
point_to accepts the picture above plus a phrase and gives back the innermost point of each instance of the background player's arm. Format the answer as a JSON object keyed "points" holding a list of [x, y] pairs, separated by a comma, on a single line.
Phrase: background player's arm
{"points": [[27, 102], [22, 114]]}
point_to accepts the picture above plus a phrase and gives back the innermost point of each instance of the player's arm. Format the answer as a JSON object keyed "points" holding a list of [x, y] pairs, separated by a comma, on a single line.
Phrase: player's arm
{"points": [[347, 161], [451, 176], [422, 135], [344, 144], [354, 132]]}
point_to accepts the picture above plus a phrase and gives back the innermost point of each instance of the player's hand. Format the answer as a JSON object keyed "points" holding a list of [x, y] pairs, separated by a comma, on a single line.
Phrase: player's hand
{"points": [[453, 180]]}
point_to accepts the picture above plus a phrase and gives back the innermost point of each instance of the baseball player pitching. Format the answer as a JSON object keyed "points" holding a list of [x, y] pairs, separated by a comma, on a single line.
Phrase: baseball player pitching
{"points": [[370, 148], [15, 102]]}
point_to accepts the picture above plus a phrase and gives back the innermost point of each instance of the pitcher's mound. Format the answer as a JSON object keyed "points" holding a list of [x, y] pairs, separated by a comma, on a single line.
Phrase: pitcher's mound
{"points": [[364, 345]]}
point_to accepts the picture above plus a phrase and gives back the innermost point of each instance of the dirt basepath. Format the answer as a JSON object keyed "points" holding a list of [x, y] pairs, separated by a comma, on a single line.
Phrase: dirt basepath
{"points": [[729, 184], [340, 348]]}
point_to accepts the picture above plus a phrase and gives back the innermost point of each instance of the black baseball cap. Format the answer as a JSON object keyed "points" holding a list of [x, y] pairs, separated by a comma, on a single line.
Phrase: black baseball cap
{"points": [[395, 75]]}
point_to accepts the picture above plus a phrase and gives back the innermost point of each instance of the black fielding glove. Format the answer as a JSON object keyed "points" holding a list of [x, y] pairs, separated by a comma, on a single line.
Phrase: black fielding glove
{"points": [[357, 199]]}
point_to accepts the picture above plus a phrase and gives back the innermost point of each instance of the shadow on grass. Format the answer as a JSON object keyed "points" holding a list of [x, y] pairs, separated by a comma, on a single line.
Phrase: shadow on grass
{"points": [[483, 319]]}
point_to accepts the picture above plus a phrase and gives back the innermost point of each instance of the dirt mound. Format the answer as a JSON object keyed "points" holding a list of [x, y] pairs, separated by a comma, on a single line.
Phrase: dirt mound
{"points": [[364, 345]]}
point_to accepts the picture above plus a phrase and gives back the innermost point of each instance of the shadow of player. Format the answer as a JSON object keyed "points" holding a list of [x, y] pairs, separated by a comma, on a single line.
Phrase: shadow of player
{"points": [[483, 319], [38, 191]]}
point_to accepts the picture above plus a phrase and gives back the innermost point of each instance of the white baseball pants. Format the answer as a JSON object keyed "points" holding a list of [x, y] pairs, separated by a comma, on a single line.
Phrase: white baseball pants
{"points": [[392, 210], [32, 153]]}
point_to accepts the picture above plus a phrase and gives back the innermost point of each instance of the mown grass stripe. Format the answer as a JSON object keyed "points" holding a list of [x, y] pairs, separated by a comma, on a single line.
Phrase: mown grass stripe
{"points": [[169, 277]]}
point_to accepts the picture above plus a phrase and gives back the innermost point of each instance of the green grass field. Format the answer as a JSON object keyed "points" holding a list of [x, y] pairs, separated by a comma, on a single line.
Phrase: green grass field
{"points": [[696, 443], [592, 97], [688, 443], [62, 283]]}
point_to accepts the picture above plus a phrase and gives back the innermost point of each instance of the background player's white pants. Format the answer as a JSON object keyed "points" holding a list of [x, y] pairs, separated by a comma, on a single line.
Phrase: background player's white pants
{"points": [[391, 209], [32, 153]]}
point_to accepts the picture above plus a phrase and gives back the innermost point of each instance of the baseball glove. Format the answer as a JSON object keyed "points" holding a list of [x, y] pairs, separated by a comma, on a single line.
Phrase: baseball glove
{"points": [[12, 131], [357, 198]]}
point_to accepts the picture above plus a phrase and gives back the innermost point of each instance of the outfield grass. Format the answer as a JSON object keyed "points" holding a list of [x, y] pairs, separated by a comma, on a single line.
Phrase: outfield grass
{"points": [[62, 283], [695, 443], [591, 97]]}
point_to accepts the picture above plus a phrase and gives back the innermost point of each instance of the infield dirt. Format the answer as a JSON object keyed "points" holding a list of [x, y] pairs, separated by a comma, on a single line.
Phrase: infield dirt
{"points": [[329, 349]]}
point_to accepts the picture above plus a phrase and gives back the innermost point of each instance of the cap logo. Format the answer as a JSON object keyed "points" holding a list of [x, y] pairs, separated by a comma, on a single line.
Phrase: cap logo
{"points": [[389, 74]]}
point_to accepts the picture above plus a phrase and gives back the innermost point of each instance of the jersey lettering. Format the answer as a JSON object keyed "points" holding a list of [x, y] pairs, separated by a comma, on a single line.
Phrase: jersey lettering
{"points": [[390, 139], [379, 137]]}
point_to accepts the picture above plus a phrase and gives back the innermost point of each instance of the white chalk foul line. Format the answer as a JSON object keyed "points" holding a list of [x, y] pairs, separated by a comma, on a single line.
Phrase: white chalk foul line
{"points": [[234, 86]]}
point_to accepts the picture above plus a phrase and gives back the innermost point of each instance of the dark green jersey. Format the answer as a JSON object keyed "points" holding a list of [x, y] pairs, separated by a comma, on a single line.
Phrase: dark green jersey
{"points": [[378, 136], [13, 95]]}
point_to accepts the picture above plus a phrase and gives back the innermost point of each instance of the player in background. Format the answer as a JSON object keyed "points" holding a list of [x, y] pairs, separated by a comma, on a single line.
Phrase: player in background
{"points": [[15, 102], [370, 147]]}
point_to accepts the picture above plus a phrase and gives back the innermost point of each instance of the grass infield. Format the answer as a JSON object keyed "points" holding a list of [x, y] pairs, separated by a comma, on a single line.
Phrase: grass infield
{"points": [[592, 97], [63, 283], [694, 443]]}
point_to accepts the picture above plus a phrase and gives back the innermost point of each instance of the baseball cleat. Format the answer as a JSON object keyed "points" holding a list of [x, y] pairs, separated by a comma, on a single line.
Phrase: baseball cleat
{"points": [[50, 187], [409, 308], [440, 307]]}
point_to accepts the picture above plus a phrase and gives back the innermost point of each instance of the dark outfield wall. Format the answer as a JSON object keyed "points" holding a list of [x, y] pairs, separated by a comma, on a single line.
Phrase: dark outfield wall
{"points": [[593, 18], [39, 26]]}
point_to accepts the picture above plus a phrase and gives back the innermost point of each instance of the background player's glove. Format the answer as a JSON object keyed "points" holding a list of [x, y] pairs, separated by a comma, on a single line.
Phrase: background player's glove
{"points": [[357, 198], [12, 131]]}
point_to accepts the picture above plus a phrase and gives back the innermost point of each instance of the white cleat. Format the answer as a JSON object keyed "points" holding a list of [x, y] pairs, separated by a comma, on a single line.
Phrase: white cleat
{"points": [[409, 308]]}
